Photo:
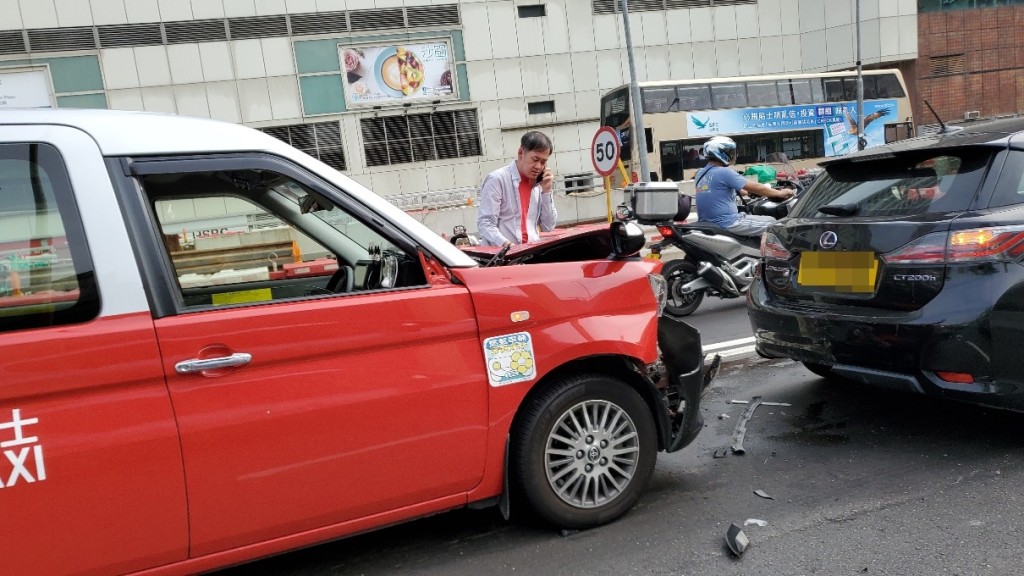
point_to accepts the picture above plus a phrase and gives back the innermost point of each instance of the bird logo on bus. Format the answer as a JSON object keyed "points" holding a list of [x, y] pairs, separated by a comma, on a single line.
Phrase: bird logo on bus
{"points": [[705, 124]]}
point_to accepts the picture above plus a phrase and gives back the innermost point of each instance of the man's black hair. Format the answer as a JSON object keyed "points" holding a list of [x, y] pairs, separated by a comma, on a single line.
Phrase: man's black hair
{"points": [[534, 141]]}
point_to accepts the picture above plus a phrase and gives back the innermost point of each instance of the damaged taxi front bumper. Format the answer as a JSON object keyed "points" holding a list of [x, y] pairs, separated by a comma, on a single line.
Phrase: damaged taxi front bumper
{"points": [[683, 381]]}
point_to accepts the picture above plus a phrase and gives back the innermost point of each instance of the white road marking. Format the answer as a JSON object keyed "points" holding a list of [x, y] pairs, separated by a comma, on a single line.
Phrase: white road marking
{"points": [[731, 348]]}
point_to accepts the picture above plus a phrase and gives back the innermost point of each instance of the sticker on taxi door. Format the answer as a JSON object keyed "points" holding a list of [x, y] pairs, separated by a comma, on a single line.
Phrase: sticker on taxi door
{"points": [[510, 359]]}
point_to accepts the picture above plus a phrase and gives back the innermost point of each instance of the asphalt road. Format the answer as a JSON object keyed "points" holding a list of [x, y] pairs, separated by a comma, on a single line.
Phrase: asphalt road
{"points": [[863, 482]]}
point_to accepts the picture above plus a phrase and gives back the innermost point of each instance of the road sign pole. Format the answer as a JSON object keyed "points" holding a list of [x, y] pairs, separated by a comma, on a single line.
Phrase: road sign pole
{"points": [[608, 196]]}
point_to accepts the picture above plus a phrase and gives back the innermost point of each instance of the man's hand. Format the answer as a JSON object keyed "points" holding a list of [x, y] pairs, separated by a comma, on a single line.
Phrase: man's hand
{"points": [[546, 179]]}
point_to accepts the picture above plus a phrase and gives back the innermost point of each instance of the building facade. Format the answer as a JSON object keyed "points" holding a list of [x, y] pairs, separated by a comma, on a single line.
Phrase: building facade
{"points": [[327, 75], [971, 53]]}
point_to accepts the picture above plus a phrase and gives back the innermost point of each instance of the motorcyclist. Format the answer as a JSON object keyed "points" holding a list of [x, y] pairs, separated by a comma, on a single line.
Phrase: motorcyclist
{"points": [[717, 185]]}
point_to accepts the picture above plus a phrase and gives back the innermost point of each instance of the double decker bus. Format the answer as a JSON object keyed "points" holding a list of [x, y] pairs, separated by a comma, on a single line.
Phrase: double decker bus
{"points": [[808, 117]]}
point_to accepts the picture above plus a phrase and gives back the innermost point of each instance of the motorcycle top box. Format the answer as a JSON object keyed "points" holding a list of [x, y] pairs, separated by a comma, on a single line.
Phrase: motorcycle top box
{"points": [[652, 202]]}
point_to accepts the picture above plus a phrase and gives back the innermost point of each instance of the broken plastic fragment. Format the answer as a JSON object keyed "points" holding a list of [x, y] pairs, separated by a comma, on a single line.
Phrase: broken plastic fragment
{"points": [[763, 494], [755, 521], [736, 540]]}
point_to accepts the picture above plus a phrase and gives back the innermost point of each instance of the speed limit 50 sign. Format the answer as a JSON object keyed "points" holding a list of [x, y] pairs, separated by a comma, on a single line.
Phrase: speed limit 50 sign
{"points": [[604, 150]]}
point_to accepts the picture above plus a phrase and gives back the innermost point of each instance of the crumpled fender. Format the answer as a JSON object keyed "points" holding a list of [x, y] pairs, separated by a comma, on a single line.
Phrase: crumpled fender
{"points": [[683, 357]]}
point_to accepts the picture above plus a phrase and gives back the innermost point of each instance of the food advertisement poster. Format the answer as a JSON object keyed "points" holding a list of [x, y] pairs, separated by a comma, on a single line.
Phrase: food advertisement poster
{"points": [[397, 73], [837, 120]]}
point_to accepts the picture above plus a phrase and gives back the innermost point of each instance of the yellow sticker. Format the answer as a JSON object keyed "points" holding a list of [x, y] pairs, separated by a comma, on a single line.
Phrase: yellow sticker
{"points": [[242, 297]]}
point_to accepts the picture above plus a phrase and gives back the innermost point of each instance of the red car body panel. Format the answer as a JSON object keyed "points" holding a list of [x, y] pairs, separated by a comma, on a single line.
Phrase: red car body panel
{"points": [[566, 322], [107, 453]]}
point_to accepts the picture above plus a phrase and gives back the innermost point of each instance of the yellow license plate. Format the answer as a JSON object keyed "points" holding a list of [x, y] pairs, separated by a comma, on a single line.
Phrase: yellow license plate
{"points": [[841, 271]]}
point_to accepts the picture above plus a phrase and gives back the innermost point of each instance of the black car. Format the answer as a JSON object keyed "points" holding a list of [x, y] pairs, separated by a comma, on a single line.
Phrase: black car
{"points": [[902, 267]]}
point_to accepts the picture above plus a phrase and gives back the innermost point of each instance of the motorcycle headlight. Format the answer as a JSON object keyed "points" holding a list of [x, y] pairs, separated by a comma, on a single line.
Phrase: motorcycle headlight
{"points": [[659, 286]]}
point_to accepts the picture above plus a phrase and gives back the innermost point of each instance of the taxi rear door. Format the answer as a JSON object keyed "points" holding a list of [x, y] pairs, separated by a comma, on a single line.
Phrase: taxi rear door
{"points": [[91, 478]]}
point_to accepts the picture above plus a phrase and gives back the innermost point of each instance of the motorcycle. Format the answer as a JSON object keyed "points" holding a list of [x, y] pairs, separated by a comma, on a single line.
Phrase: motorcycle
{"points": [[715, 262]]}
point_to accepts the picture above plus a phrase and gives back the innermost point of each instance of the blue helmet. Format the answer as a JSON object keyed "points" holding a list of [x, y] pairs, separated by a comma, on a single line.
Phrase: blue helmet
{"points": [[721, 148]]}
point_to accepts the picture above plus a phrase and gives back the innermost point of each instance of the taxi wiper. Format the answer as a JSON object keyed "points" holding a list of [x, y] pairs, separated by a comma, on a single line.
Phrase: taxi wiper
{"points": [[839, 209]]}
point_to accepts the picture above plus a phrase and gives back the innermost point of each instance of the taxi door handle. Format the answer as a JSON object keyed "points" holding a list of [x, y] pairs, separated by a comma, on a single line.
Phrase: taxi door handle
{"points": [[197, 365]]}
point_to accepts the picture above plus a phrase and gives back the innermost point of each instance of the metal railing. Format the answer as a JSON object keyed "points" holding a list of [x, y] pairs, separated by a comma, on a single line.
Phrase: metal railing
{"points": [[575, 184]]}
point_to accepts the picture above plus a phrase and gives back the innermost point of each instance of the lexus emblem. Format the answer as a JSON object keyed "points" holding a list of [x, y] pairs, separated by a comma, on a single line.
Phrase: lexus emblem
{"points": [[828, 240]]}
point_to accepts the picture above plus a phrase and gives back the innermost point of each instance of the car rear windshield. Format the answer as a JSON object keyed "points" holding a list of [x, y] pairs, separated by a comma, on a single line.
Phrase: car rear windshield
{"points": [[909, 184]]}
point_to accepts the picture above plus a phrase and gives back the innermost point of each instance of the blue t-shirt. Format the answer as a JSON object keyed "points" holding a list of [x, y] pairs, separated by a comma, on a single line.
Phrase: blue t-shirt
{"points": [[716, 194]]}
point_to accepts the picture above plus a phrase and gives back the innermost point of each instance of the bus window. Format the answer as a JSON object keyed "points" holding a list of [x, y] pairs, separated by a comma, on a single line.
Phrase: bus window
{"points": [[763, 94], [870, 87], [694, 97], [799, 91], [615, 108], [728, 95], [834, 90], [889, 86], [659, 99], [850, 88]]}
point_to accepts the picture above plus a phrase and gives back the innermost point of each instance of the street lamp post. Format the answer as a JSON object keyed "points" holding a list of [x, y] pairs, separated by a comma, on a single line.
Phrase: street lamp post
{"points": [[860, 87], [634, 96]]}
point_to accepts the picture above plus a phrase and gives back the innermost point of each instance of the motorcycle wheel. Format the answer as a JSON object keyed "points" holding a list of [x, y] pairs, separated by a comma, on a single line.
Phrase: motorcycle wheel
{"points": [[678, 273]]}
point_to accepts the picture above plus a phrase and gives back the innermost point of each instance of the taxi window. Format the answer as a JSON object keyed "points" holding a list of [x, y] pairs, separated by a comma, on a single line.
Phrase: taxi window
{"points": [[253, 236], [46, 274]]}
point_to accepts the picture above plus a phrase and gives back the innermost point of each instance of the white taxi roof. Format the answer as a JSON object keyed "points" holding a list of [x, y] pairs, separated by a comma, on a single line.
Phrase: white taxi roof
{"points": [[124, 133]]}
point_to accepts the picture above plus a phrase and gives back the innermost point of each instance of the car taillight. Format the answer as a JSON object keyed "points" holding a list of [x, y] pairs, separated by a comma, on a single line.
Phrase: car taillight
{"points": [[771, 247], [975, 245], [929, 249], [1004, 243], [666, 231]]}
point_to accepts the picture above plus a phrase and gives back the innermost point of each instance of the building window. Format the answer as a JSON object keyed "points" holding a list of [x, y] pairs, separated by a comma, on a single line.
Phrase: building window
{"points": [[321, 140], [420, 137], [543, 107], [534, 11]]}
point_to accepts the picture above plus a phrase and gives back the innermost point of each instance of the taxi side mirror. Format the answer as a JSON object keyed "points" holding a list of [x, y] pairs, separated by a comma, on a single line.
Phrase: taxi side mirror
{"points": [[627, 239]]}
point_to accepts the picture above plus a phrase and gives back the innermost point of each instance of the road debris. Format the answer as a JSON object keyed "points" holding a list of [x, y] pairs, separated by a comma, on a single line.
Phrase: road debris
{"points": [[723, 416], [763, 494], [755, 522], [741, 425], [736, 540], [762, 403], [720, 453]]}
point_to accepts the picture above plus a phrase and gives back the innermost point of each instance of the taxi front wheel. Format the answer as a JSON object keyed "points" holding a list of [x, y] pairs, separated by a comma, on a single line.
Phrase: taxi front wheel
{"points": [[584, 451]]}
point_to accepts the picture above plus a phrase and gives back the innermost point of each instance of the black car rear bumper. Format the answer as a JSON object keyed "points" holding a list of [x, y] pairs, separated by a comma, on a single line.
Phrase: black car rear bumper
{"points": [[895, 350]]}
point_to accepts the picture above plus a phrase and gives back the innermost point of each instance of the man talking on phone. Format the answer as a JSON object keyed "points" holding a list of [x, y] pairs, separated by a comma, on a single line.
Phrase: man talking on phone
{"points": [[516, 201]]}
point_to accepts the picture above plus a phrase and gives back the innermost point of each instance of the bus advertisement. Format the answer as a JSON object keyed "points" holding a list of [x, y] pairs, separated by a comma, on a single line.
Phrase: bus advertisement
{"points": [[808, 117]]}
